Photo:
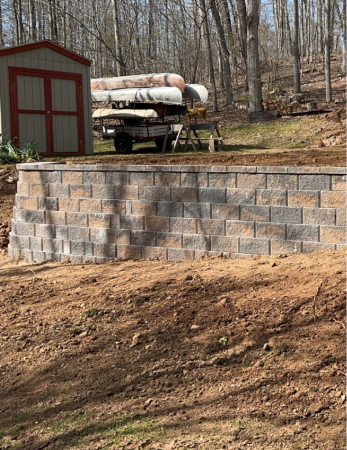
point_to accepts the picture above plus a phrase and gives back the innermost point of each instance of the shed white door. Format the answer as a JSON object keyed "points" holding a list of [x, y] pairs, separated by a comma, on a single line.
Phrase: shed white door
{"points": [[47, 108]]}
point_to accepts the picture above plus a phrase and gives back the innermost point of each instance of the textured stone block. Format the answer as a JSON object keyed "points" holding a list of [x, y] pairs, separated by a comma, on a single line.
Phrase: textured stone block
{"points": [[281, 246], [62, 232], [254, 246], [143, 208], [105, 250], [26, 254], [30, 216], [297, 232], [314, 182], [95, 178], [55, 217], [24, 189], [80, 191], [225, 211], [66, 247], [341, 217], [30, 177], [240, 196], [178, 254], [59, 190], [45, 230], [131, 222], [142, 178], [35, 244], [212, 195], [103, 191], [76, 219], [40, 257], [78, 234], [270, 230], [309, 247], [251, 180], [143, 238], [225, 244], [52, 245], [283, 214], [304, 198], [167, 179], [197, 210], [333, 199], [21, 242], [115, 221], [158, 253], [153, 223], [99, 220], [54, 177], [170, 209], [72, 177], [339, 183], [184, 194], [98, 235], [154, 193], [47, 203], [194, 179], [196, 242], [282, 181], [319, 216], [169, 240], [26, 202], [113, 206], [13, 252], [181, 225], [117, 178], [68, 204], [118, 236], [275, 197], [240, 228], [89, 205], [222, 180], [77, 248], [77, 258], [333, 235], [257, 213], [38, 190], [23, 229], [126, 252], [211, 226]]}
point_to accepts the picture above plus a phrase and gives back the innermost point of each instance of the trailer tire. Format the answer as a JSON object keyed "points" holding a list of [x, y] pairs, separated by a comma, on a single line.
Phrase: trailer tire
{"points": [[159, 142], [123, 143]]}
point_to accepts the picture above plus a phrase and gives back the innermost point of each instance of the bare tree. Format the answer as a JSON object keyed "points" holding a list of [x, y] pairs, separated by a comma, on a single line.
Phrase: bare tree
{"points": [[253, 64], [296, 51], [327, 48]]}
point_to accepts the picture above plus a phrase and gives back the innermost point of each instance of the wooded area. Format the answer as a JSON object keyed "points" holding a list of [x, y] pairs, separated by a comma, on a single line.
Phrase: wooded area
{"points": [[220, 43]]}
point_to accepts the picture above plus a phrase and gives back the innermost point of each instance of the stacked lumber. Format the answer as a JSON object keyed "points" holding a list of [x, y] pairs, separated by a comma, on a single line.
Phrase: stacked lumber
{"points": [[281, 107]]}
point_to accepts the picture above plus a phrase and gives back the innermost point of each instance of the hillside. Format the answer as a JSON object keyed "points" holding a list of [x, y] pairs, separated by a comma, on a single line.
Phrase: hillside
{"points": [[206, 354]]}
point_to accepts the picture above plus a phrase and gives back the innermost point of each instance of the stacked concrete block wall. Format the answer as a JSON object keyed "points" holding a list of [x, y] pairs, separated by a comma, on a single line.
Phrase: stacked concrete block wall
{"points": [[97, 213]]}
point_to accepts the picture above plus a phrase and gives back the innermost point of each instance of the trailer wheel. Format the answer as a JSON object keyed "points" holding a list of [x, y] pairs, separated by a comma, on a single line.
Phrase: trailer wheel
{"points": [[123, 143], [159, 142]]}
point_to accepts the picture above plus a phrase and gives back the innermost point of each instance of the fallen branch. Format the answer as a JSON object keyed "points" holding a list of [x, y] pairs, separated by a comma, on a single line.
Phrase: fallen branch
{"points": [[315, 301]]}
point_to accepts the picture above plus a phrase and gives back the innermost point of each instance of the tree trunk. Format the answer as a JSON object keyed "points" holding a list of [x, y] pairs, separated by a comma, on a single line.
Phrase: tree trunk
{"points": [[242, 12], [1, 30], [296, 53], [118, 48], [327, 44], [253, 65]]}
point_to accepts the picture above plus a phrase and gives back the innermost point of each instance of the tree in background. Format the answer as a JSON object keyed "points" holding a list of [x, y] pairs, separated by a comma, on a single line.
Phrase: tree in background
{"points": [[253, 65]]}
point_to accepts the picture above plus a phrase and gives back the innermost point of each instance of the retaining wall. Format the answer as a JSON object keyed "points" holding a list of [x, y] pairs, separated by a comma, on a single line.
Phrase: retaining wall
{"points": [[96, 213]]}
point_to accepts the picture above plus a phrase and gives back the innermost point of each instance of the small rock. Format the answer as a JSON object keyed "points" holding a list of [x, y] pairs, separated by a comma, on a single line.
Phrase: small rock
{"points": [[195, 327], [266, 347]]}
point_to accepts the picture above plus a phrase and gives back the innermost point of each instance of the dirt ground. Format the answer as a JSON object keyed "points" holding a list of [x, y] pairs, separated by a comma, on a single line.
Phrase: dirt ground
{"points": [[206, 354]]}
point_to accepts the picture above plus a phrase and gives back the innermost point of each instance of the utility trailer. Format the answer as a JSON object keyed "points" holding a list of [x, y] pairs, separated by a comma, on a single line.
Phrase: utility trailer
{"points": [[134, 126]]}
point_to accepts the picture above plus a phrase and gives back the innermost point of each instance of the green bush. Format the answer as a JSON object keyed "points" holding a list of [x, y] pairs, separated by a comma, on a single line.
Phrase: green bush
{"points": [[11, 155]]}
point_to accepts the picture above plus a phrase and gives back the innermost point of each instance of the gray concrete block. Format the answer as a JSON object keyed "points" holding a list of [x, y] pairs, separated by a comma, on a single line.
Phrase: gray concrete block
{"points": [[24, 215], [275, 197], [13, 252], [333, 199], [59, 190], [90, 205], [20, 242], [333, 235], [309, 247], [282, 181], [184, 194], [99, 220], [197, 210], [222, 180], [80, 191], [113, 206], [340, 218], [66, 247], [167, 179], [254, 246], [38, 190], [154, 193], [319, 216], [131, 222], [126, 252], [240, 196], [142, 178], [105, 251], [314, 182], [256, 213], [118, 236], [212, 195], [69, 204], [154, 223], [76, 248], [211, 226], [48, 203], [143, 208], [76, 219], [24, 189], [170, 209], [97, 178], [39, 257], [181, 225], [56, 217], [89, 248], [339, 183], [23, 229], [78, 234], [117, 178], [225, 244], [45, 230], [282, 246], [52, 245], [35, 244], [240, 228], [251, 180], [297, 232], [156, 253], [180, 254], [143, 238], [194, 179], [98, 235], [62, 232], [115, 221], [126, 192], [103, 191], [283, 214], [26, 254], [270, 230], [169, 240], [225, 211], [76, 258], [196, 242], [304, 198], [51, 177]]}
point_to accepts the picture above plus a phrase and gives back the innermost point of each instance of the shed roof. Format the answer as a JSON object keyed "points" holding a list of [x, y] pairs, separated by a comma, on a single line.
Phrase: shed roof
{"points": [[41, 44]]}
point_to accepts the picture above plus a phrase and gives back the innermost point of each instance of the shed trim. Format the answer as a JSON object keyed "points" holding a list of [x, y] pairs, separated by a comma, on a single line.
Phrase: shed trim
{"points": [[46, 43]]}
